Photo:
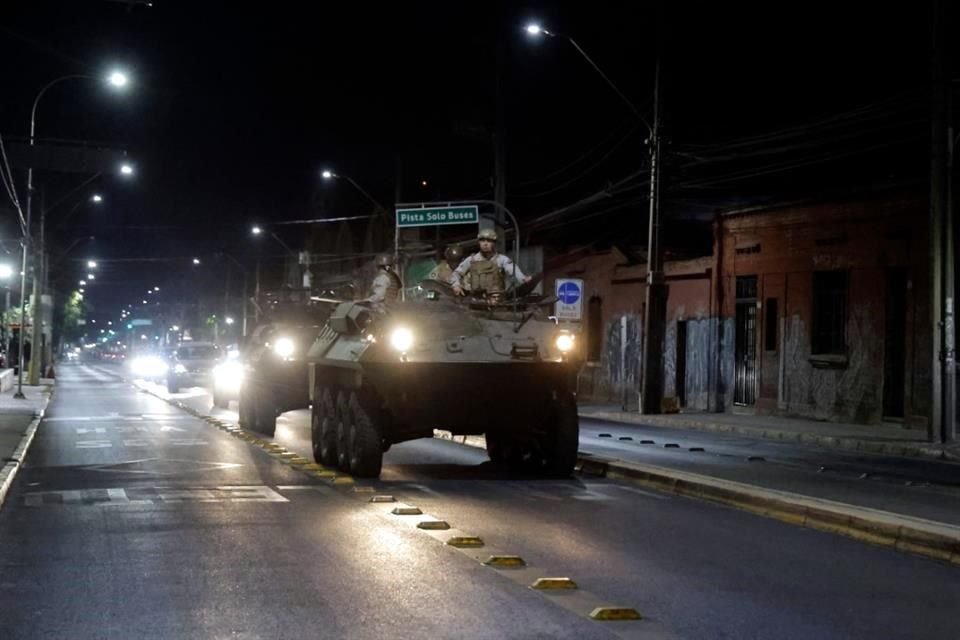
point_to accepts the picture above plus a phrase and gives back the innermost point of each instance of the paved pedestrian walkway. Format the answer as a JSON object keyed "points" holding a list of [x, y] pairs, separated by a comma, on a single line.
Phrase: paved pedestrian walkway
{"points": [[18, 422], [886, 439]]}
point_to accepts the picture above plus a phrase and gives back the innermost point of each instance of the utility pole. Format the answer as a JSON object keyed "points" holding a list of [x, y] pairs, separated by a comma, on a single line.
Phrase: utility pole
{"points": [[655, 312], [499, 146], [36, 337], [942, 291]]}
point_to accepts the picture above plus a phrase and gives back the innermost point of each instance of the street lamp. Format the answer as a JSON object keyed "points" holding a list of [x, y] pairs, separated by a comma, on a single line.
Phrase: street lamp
{"points": [[97, 198], [228, 320], [196, 261], [654, 322], [156, 288], [6, 271], [327, 174], [91, 264], [90, 276], [256, 230], [116, 79], [83, 283], [126, 169]]}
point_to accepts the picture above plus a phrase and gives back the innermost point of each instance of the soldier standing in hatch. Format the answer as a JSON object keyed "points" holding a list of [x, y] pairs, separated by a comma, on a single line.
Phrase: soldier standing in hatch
{"points": [[452, 256], [486, 271], [385, 289]]}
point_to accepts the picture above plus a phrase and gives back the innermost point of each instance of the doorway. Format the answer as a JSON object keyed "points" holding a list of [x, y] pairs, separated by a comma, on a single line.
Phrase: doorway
{"points": [[745, 345]]}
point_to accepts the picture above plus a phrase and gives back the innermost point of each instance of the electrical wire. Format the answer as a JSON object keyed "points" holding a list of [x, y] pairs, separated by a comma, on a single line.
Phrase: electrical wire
{"points": [[10, 186]]}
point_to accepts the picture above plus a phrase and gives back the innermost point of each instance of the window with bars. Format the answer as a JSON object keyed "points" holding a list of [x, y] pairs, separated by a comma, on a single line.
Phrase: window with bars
{"points": [[829, 332]]}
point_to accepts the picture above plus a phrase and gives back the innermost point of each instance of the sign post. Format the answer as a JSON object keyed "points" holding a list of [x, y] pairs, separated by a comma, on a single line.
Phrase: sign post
{"points": [[435, 216], [569, 306]]}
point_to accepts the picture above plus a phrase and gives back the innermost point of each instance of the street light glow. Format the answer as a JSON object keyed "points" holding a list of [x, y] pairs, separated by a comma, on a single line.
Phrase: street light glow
{"points": [[97, 197], [156, 288], [327, 174], [6, 272], [83, 283], [534, 29], [256, 230], [91, 264], [126, 170], [90, 276], [118, 79], [196, 261], [229, 320]]}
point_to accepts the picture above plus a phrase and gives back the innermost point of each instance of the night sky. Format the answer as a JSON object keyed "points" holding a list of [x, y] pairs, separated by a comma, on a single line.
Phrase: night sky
{"points": [[236, 107]]}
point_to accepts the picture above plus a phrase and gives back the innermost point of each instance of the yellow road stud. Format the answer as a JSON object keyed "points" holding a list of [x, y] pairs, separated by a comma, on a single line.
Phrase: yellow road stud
{"points": [[505, 562], [406, 511], [298, 462], [553, 583], [615, 613], [363, 489], [313, 466], [289, 455], [383, 499], [433, 525], [462, 542], [343, 480], [323, 473]]}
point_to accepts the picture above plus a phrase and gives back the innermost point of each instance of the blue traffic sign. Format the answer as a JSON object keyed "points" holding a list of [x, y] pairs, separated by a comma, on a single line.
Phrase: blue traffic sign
{"points": [[569, 293]]}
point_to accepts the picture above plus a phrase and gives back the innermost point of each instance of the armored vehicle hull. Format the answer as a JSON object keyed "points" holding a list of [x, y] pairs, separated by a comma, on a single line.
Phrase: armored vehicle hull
{"points": [[382, 378]]}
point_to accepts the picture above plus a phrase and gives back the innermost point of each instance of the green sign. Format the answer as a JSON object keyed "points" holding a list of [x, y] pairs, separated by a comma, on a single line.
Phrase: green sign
{"points": [[432, 216]]}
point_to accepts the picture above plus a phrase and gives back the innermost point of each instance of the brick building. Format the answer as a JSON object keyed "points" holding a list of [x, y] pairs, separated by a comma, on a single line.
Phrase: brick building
{"points": [[815, 309]]}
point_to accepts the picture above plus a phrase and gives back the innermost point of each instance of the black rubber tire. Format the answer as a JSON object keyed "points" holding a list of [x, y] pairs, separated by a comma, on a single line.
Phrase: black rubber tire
{"points": [[246, 416], [316, 420], [503, 450], [364, 446], [265, 412], [562, 443], [328, 428], [219, 401], [342, 421]]}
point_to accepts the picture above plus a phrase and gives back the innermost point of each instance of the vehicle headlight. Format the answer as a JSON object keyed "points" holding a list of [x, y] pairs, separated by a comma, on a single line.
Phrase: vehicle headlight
{"points": [[148, 367], [179, 368], [228, 376], [283, 347], [401, 339], [565, 342]]}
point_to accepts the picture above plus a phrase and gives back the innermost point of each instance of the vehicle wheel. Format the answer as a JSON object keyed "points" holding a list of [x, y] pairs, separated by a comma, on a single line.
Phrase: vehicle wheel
{"points": [[364, 448], [328, 428], [504, 450], [265, 413], [219, 401], [342, 420], [560, 444], [245, 413]]}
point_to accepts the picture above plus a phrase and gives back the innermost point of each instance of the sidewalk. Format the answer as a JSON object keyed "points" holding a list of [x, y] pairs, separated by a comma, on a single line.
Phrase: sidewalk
{"points": [[883, 439], [19, 418]]}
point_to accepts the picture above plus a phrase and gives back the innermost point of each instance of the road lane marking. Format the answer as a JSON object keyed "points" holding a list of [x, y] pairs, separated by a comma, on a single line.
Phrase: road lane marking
{"points": [[117, 496]]}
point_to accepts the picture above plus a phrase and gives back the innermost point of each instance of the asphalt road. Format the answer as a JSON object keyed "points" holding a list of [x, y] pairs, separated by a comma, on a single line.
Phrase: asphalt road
{"points": [[134, 519]]}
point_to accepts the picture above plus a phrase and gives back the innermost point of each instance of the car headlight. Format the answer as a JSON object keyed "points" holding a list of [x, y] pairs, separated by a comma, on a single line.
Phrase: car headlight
{"points": [[228, 376], [179, 369], [148, 367], [283, 347], [565, 342], [401, 339]]}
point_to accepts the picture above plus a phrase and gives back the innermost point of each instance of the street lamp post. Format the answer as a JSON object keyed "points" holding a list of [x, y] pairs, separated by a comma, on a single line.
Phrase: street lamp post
{"points": [[655, 312], [330, 175], [118, 80]]}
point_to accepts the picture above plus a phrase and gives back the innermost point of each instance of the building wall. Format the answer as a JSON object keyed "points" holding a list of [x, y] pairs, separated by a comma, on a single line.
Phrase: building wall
{"points": [[784, 248]]}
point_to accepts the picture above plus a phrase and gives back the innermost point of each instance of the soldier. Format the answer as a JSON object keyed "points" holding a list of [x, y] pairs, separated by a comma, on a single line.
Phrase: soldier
{"points": [[486, 271], [385, 289], [452, 255]]}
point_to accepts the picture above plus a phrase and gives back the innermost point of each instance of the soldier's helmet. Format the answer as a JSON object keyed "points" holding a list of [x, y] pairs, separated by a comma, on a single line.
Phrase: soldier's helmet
{"points": [[453, 252], [487, 234], [385, 260]]}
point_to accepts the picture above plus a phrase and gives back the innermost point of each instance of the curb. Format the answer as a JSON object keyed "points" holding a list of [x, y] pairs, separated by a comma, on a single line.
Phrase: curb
{"points": [[904, 533], [834, 442], [9, 471]]}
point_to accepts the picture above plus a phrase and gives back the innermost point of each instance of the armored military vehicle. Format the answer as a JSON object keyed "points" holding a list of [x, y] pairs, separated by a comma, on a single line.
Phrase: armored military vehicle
{"points": [[274, 374], [467, 365]]}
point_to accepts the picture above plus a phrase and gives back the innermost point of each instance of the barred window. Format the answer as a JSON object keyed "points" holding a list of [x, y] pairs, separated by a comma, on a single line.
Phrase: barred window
{"points": [[829, 335]]}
